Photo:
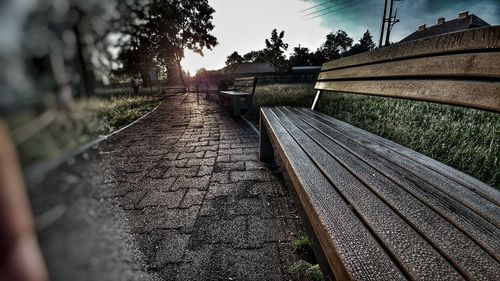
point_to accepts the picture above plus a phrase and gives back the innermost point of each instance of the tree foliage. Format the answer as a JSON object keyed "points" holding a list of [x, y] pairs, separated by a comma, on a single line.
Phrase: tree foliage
{"points": [[365, 44], [274, 52], [255, 56], [336, 44], [234, 58], [301, 56], [160, 31]]}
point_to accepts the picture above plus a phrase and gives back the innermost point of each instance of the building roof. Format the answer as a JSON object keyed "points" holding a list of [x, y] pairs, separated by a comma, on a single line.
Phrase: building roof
{"points": [[249, 68], [463, 22], [307, 68]]}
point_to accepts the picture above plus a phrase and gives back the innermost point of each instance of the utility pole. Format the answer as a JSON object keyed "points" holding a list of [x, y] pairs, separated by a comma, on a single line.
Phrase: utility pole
{"points": [[390, 21], [383, 25]]}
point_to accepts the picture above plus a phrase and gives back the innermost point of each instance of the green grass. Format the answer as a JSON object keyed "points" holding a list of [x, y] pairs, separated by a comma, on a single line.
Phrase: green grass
{"points": [[303, 248], [466, 139], [304, 271], [306, 268], [86, 121]]}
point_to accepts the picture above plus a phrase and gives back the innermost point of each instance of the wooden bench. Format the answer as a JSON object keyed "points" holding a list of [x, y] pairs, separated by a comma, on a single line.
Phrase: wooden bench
{"points": [[236, 99], [378, 210], [210, 88]]}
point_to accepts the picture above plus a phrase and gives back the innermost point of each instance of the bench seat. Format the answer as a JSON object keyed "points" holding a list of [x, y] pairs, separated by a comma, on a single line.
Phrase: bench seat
{"points": [[378, 210], [235, 101]]}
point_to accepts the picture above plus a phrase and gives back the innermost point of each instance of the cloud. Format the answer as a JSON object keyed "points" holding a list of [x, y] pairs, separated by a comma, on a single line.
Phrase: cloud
{"points": [[411, 13]]}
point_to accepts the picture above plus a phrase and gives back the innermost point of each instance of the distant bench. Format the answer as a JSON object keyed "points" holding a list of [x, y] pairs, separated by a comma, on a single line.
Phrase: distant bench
{"points": [[236, 99], [209, 87], [378, 210]]}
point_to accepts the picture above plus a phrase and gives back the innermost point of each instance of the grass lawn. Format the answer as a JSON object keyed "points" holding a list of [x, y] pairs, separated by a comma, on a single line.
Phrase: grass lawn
{"points": [[466, 139], [86, 121]]}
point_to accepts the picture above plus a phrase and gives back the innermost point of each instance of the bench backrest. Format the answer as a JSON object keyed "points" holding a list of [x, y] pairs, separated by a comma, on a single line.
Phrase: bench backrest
{"points": [[461, 68], [246, 82]]}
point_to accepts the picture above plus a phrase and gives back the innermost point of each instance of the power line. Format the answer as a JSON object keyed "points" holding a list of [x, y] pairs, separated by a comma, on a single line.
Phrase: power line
{"points": [[343, 8], [327, 8], [315, 6]]}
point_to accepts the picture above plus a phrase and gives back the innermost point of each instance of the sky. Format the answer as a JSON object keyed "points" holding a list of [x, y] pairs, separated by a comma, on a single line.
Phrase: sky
{"points": [[243, 25]]}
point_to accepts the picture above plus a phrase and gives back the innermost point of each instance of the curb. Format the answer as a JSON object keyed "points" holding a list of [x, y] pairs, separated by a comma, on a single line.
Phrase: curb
{"points": [[251, 125]]}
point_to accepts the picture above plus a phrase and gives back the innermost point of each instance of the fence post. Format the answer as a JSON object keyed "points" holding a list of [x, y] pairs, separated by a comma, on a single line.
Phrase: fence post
{"points": [[197, 94]]}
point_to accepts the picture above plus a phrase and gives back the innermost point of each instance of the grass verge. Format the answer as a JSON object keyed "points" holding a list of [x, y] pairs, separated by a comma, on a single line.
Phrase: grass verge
{"points": [[87, 120], [466, 139], [125, 92]]}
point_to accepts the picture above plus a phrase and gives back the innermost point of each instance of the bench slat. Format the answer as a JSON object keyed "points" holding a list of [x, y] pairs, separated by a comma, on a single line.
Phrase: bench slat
{"points": [[482, 95], [248, 82], [470, 65], [351, 250], [477, 39], [415, 255], [450, 241], [235, 93], [471, 183], [484, 207], [476, 227]]}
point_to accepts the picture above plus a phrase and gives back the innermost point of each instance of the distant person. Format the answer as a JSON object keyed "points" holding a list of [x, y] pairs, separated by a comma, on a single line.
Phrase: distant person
{"points": [[135, 85]]}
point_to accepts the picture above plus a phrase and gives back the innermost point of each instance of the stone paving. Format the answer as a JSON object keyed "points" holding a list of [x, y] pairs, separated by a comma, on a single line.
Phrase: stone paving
{"points": [[180, 195]]}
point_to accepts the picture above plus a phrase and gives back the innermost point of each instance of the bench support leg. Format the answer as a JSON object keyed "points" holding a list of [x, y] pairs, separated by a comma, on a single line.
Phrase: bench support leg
{"points": [[235, 106], [248, 105], [316, 99], [266, 152]]}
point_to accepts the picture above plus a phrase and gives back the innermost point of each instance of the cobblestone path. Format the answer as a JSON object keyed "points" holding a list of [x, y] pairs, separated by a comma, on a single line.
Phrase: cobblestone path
{"points": [[180, 195]]}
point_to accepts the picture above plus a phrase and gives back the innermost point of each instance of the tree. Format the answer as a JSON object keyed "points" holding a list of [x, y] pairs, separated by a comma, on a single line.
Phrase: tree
{"points": [[234, 58], [336, 44], [274, 52], [163, 30], [301, 56], [365, 44], [254, 56], [182, 25], [317, 58], [201, 71]]}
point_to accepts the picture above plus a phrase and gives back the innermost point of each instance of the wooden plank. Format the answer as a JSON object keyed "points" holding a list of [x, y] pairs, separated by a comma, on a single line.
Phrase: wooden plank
{"points": [[352, 252], [245, 82], [476, 227], [449, 240], [470, 65], [415, 255], [481, 95], [234, 93], [485, 208], [477, 39], [467, 181]]}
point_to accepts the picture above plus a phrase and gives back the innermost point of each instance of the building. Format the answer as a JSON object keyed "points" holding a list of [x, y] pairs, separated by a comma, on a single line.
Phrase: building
{"points": [[305, 74], [249, 69], [463, 22], [306, 69]]}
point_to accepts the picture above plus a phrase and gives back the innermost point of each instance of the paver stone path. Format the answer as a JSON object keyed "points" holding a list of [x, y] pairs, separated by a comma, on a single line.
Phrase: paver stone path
{"points": [[179, 195]]}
